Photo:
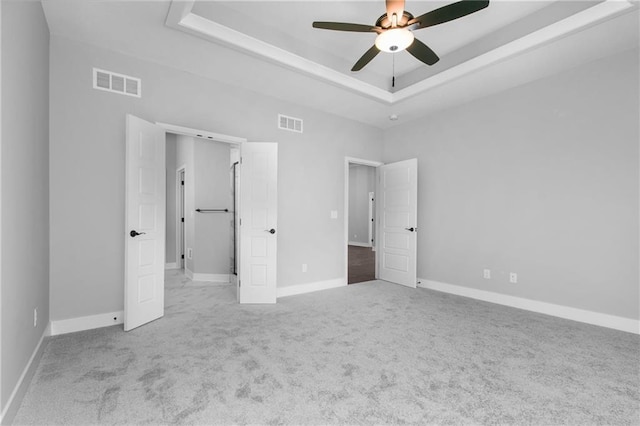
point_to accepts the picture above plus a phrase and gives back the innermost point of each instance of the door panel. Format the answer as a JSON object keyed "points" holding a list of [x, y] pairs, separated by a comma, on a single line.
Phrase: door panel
{"points": [[258, 216], [398, 189], [145, 214]]}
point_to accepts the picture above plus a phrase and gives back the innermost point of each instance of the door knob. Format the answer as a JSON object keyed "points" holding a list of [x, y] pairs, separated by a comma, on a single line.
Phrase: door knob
{"points": [[271, 231], [135, 233], [410, 229]]}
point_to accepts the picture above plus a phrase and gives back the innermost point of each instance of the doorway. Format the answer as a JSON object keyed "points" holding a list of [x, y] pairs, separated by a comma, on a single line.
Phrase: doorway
{"points": [[200, 232], [360, 220], [393, 217]]}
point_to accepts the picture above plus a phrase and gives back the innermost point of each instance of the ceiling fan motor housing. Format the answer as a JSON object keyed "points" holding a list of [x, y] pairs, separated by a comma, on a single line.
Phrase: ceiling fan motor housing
{"points": [[385, 22]]}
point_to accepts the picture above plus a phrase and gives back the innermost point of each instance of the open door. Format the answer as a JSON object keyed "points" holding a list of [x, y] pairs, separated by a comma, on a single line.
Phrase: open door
{"points": [[258, 222], [144, 223], [397, 218]]}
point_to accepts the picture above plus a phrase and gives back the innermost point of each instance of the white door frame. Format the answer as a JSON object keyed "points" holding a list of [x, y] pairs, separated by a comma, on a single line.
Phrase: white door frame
{"points": [[181, 172], [362, 162], [371, 221]]}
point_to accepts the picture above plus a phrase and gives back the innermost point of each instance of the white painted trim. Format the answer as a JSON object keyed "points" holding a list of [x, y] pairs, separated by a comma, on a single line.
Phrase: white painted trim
{"points": [[90, 322], [1, 259], [358, 244], [181, 236], [201, 134], [172, 265], [590, 317], [187, 272], [535, 39], [181, 18], [362, 162], [371, 222], [15, 399], [212, 278], [294, 290], [205, 28]]}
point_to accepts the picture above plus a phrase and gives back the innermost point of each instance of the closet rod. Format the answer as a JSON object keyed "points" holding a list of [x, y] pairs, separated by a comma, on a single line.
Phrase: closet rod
{"points": [[212, 210]]}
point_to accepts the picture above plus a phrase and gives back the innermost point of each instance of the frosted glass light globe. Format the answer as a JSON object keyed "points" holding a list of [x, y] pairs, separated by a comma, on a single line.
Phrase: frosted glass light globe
{"points": [[394, 40]]}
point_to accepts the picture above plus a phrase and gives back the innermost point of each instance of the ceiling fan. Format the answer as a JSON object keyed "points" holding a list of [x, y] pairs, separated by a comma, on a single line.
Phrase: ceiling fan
{"points": [[395, 29]]}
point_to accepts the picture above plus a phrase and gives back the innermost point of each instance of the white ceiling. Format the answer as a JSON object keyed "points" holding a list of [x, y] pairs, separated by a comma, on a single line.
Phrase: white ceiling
{"points": [[270, 47]]}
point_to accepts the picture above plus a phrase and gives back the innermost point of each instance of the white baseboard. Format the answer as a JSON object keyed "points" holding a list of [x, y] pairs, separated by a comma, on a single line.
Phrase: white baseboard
{"points": [[15, 399], [310, 287], [211, 278], [86, 323], [357, 244], [172, 265], [595, 318]]}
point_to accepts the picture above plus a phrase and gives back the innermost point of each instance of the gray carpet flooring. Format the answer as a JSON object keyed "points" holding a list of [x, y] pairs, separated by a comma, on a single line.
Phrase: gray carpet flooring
{"points": [[370, 353]]}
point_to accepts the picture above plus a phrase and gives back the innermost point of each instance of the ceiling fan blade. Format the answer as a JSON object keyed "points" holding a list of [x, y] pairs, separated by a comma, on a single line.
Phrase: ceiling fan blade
{"points": [[366, 58], [448, 13], [344, 26], [395, 7], [422, 52]]}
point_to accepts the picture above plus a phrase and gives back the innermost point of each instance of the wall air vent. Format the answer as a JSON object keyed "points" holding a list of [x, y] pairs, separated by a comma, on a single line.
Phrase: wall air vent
{"points": [[117, 83], [289, 123]]}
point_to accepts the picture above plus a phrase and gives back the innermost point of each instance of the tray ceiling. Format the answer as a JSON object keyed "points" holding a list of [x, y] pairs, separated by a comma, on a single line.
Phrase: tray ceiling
{"points": [[270, 47]]}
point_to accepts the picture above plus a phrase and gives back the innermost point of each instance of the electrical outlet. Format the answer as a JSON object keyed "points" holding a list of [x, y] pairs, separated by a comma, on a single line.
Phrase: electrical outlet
{"points": [[35, 317], [486, 274], [304, 267], [189, 253], [334, 214], [513, 277]]}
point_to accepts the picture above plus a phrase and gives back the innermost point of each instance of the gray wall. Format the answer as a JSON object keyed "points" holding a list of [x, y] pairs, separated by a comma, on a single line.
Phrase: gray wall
{"points": [[361, 182], [170, 232], [211, 250], [24, 278], [87, 170], [541, 180]]}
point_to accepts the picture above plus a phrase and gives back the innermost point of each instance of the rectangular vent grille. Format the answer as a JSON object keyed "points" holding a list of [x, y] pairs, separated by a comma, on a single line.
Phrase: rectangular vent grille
{"points": [[289, 123], [116, 83]]}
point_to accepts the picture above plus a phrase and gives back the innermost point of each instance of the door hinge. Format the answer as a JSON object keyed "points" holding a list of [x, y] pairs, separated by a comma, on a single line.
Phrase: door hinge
{"points": [[240, 221], [240, 160], [182, 219], [183, 256], [181, 182]]}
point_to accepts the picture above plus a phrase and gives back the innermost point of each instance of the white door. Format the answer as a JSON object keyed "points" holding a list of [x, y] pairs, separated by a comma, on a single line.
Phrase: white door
{"points": [[397, 218], [144, 223], [258, 222], [180, 227]]}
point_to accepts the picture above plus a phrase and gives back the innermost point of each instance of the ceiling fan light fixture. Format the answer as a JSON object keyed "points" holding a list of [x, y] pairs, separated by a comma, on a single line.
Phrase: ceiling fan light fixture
{"points": [[394, 40]]}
